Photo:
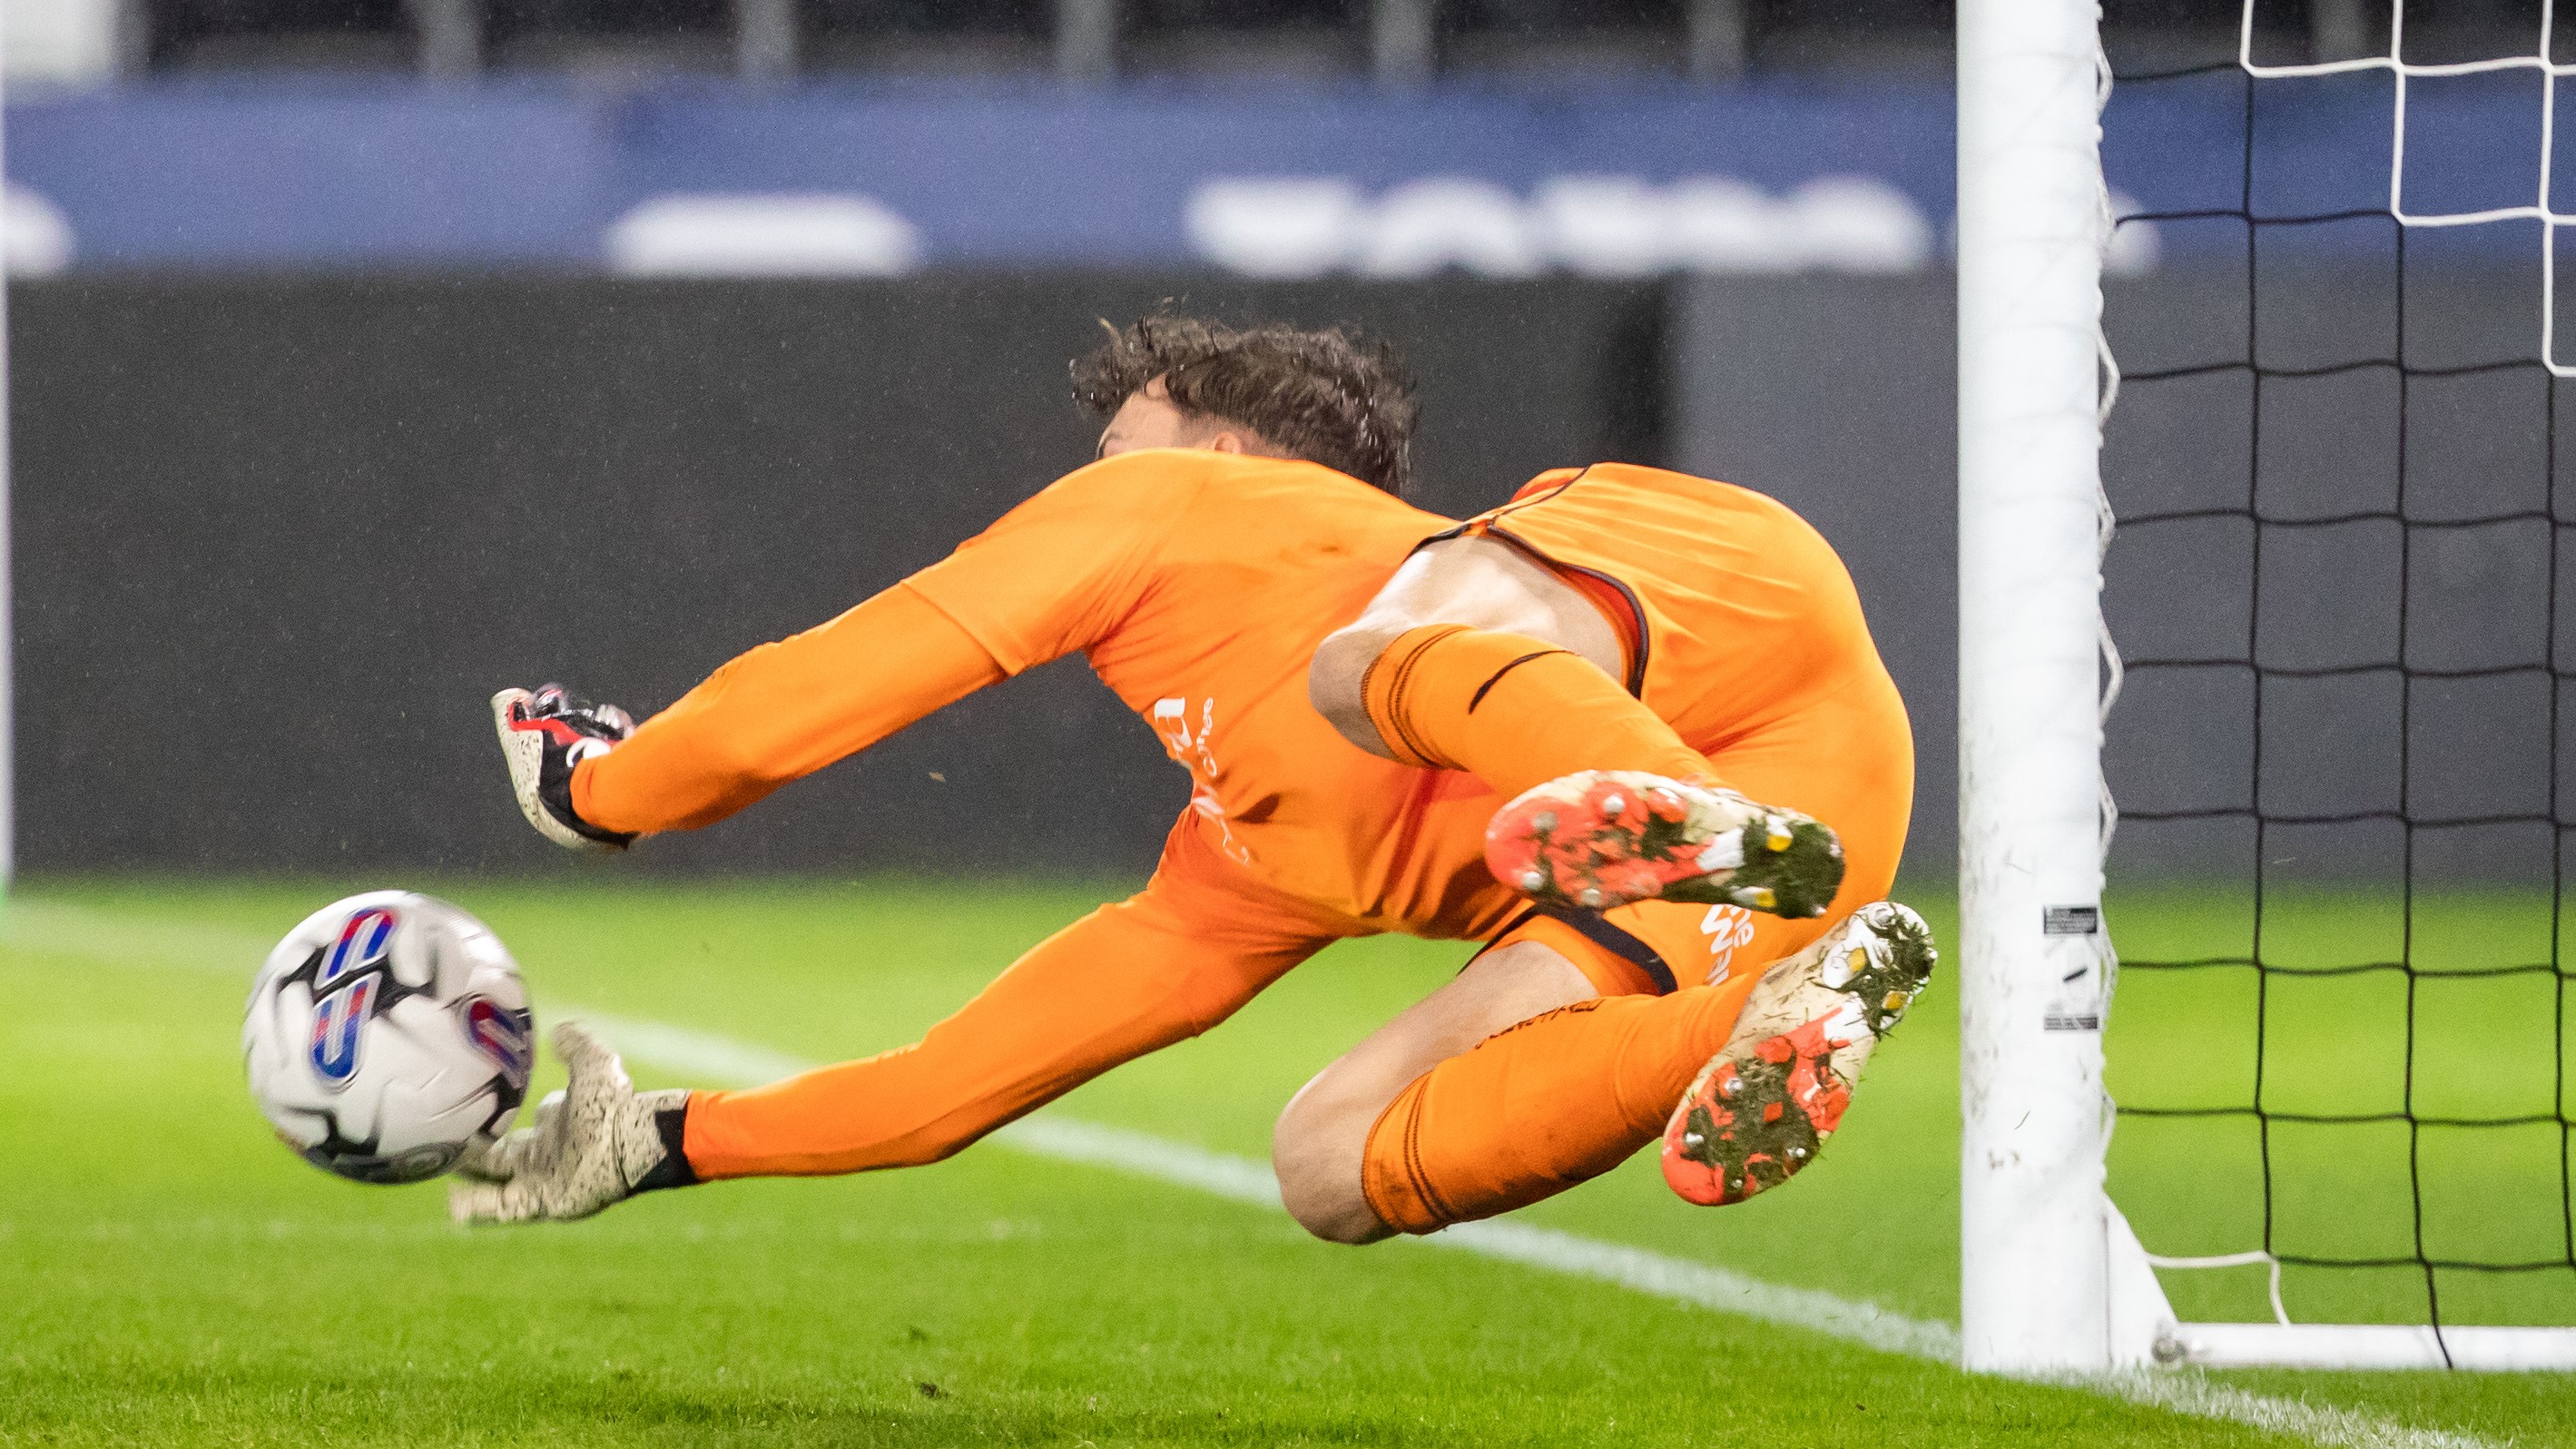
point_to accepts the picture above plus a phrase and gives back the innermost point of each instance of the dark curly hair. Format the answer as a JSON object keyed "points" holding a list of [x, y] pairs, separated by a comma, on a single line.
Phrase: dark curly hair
{"points": [[1327, 395]]}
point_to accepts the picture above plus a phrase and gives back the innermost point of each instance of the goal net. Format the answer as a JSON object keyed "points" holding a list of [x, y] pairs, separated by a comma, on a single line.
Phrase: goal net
{"points": [[2325, 527]]}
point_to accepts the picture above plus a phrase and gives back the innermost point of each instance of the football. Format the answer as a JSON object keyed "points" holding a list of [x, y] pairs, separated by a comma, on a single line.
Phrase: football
{"points": [[386, 1034]]}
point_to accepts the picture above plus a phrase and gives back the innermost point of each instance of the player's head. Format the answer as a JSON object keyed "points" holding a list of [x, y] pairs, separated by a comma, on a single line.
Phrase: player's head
{"points": [[1324, 395]]}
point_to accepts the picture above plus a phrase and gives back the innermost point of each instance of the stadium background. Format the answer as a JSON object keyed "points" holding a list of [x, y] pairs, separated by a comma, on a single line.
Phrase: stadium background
{"points": [[369, 356]]}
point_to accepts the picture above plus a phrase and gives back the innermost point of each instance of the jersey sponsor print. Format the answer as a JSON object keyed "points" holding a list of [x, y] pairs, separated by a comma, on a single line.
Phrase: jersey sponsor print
{"points": [[1727, 927], [1194, 750]]}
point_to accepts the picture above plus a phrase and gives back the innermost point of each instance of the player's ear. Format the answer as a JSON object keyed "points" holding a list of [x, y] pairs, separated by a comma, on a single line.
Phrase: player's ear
{"points": [[1228, 441]]}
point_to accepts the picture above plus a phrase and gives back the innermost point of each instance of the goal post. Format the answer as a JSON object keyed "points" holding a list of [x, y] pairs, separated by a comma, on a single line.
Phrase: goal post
{"points": [[8, 625], [2034, 1228], [2053, 1281]]}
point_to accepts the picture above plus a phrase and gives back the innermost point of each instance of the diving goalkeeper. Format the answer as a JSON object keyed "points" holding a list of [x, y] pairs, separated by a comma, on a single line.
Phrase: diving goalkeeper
{"points": [[1628, 730]]}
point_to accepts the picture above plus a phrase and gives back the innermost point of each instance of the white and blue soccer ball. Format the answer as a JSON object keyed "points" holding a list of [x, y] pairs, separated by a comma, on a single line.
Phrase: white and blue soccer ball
{"points": [[386, 1035]]}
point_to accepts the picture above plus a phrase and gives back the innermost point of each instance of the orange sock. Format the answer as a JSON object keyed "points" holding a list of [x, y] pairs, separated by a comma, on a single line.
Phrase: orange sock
{"points": [[1536, 1109], [1513, 710]]}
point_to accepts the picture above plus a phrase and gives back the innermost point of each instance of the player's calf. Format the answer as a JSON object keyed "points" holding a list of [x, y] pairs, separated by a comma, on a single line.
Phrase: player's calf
{"points": [[1762, 1108], [597, 1142], [1603, 838]]}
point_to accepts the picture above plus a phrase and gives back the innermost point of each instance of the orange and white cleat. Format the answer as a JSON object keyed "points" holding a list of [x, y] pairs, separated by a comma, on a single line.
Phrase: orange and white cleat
{"points": [[1603, 838], [1761, 1110]]}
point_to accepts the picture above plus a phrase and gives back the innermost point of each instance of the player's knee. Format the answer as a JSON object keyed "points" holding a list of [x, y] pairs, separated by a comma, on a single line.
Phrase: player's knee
{"points": [[1337, 674], [1316, 1157], [1332, 1212]]}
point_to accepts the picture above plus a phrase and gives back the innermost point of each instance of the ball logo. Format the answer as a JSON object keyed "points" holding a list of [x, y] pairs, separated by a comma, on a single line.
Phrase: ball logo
{"points": [[508, 1037], [345, 990]]}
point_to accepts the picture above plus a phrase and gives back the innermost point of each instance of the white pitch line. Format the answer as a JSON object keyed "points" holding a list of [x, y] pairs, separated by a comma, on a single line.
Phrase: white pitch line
{"points": [[111, 936], [85, 931], [1704, 1285], [1245, 1180], [2192, 1393]]}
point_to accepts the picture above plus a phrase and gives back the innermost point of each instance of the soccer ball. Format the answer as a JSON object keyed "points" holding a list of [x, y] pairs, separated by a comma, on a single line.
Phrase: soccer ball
{"points": [[387, 1034]]}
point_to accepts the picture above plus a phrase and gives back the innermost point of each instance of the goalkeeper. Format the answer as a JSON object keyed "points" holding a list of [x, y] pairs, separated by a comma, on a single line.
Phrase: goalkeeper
{"points": [[1545, 729]]}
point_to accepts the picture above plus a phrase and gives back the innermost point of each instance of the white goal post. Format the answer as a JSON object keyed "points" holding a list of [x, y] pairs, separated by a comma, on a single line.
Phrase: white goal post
{"points": [[8, 625], [2052, 1279], [2034, 1246]]}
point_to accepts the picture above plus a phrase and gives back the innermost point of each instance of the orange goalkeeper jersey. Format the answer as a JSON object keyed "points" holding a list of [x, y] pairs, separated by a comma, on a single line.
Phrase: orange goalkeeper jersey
{"points": [[1199, 583]]}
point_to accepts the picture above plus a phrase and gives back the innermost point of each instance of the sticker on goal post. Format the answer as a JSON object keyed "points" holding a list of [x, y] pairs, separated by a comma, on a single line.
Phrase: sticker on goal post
{"points": [[2071, 920], [2074, 935]]}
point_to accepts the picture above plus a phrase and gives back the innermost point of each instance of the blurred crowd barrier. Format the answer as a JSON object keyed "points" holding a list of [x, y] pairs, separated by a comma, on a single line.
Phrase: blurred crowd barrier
{"points": [[1393, 43], [277, 539], [343, 397], [674, 178]]}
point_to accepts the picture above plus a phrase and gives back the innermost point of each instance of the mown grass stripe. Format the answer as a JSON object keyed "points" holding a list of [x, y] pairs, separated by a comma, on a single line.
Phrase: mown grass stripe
{"points": [[1241, 1179], [2187, 1391], [94, 934]]}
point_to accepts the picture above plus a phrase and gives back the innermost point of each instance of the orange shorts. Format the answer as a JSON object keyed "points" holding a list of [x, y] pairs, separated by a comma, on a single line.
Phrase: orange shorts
{"points": [[1643, 546], [1847, 761]]}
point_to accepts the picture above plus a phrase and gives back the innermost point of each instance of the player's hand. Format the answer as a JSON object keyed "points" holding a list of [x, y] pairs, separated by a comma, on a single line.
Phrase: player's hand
{"points": [[514, 1153], [597, 1142], [544, 735]]}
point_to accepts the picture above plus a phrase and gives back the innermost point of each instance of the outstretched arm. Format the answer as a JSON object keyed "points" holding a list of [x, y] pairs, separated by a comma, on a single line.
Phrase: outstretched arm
{"points": [[1127, 979], [1050, 577], [780, 713]]}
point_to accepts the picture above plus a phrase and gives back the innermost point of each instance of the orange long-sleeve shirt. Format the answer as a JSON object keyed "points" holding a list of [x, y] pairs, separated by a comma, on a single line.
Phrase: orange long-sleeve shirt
{"points": [[783, 711], [1199, 584]]}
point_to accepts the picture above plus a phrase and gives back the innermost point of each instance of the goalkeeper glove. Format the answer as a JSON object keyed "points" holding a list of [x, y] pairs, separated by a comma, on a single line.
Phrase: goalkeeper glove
{"points": [[595, 1143], [544, 735]]}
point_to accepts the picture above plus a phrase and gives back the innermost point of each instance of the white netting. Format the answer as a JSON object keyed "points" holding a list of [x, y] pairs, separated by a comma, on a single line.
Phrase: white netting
{"points": [[2403, 73], [2433, 1118]]}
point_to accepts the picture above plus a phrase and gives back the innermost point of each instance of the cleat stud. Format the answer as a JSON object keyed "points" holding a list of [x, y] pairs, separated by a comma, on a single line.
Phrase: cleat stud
{"points": [[1532, 880], [1592, 899], [1797, 1154], [1613, 804], [1731, 1088], [1780, 839], [1761, 898], [1544, 820], [1693, 1141]]}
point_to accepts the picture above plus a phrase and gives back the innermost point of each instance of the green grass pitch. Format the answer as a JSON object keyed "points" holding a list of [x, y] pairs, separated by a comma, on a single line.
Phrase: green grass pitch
{"points": [[169, 1275]]}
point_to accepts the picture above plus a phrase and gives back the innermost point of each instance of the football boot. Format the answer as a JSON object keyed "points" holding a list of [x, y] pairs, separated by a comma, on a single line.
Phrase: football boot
{"points": [[1761, 1109], [1604, 838]]}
